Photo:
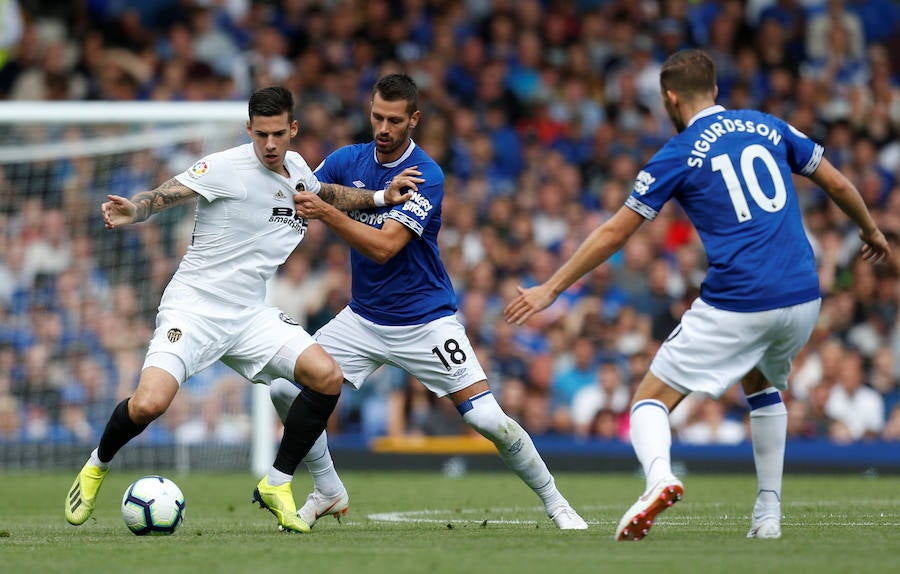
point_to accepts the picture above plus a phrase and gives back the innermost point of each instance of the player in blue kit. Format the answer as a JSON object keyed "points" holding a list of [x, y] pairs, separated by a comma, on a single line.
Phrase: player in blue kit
{"points": [[731, 172], [402, 309]]}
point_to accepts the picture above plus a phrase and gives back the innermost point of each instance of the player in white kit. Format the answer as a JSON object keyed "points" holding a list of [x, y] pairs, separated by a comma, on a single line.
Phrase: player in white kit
{"points": [[402, 310], [213, 308], [731, 172]]}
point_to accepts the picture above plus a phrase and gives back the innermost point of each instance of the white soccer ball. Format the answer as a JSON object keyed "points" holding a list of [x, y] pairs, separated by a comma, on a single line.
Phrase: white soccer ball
{"points": [[153, 505]]}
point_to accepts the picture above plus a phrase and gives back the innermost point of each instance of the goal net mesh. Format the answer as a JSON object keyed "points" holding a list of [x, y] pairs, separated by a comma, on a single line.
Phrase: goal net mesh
{"points": [[78, 302]]}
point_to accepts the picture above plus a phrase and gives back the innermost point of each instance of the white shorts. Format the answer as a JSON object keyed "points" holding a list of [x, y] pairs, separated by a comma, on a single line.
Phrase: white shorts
{"points": [[438, 353], [713, 349], [260, 342]]}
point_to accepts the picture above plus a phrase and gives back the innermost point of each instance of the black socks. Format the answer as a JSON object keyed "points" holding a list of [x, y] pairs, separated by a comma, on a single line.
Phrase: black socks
{"points": [[305, 421], [119, 430]]}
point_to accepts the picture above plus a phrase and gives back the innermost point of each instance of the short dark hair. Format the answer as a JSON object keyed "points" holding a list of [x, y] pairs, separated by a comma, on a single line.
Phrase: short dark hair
{"points": [[271, 101], [394, 87], [689, 73]]}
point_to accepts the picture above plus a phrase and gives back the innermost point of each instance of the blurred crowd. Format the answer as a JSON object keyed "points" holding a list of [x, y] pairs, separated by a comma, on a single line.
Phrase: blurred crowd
{"points": [[540, 112]]}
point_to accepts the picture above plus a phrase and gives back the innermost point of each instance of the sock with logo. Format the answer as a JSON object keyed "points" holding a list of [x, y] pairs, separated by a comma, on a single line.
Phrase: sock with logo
{"points": [[768, 429], [516, 448]]}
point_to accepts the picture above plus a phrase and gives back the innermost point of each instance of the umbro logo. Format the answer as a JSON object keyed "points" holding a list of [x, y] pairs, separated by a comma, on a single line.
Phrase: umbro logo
{"points": [[359, 184]]}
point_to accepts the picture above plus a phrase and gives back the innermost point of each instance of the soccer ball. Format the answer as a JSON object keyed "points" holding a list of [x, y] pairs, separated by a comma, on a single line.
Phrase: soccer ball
{"points": [[153, 505]]}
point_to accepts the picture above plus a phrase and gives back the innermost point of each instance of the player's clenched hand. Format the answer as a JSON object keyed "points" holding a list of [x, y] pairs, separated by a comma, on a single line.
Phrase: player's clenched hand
{"points": [[529, 302], [117, 211], [402, 186], [309, 205], [876, 245]]}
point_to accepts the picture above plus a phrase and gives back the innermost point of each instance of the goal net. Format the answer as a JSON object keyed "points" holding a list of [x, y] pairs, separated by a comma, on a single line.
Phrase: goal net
{"points": [[78, 302]]}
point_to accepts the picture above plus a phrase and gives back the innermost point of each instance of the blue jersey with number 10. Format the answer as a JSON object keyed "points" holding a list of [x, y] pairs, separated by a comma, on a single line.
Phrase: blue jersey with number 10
{"points": [[731, 172], [413, 286]]}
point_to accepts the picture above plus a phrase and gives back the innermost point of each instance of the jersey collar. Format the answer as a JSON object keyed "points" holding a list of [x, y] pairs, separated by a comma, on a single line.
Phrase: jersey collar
{"points": [[399, 160], [286, 163], [706, 112]]}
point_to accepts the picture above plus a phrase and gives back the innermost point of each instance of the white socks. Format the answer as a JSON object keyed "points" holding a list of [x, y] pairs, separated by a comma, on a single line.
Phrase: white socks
{"points": [[283, 392], [95, 461], [651, 438], [277, 478], [514, 445], [320, 465], [768, 429]]}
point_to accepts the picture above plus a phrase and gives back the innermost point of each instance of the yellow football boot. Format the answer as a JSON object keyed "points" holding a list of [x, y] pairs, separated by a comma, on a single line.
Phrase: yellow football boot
{"points": [[279, 500], [83, 494]]}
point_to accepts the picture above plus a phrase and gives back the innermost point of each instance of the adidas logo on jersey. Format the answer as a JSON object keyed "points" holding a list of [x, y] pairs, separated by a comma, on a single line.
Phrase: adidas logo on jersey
{"points": [[279, 194]]}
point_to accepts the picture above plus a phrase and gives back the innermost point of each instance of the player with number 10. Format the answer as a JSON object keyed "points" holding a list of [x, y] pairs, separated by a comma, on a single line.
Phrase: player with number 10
{"points": [[731, 172]]}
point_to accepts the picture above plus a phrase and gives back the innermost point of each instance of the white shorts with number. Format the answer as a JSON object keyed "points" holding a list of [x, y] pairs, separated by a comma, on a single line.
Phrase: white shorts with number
{"points": [[438, 353], [713, 349], [260, 342]]}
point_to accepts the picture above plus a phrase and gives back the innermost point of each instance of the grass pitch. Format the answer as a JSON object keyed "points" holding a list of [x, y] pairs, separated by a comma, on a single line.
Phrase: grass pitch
{"points": [[481, 522]]}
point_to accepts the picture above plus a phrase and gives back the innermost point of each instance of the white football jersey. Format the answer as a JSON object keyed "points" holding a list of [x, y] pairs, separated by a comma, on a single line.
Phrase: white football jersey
{"points": [[244, 226]]}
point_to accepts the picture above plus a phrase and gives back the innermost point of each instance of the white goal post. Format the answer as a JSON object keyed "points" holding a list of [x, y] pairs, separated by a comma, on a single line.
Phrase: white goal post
{"points": [[36, 134], [166, 123], [66, 112]]}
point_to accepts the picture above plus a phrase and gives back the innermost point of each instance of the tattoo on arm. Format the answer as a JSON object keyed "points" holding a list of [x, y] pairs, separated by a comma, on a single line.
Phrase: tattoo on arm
{"points": [[170, 193], [346, 198]]}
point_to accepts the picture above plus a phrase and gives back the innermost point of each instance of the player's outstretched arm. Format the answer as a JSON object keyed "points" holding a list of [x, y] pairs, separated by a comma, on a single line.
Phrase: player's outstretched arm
{"points": [[842, 191], [599, 246], [118, 211], [348, 198]]}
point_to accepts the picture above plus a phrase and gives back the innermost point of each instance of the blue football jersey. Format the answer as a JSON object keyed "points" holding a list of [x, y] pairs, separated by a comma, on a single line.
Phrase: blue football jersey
{"points": [[413, 287], [731, 172]]}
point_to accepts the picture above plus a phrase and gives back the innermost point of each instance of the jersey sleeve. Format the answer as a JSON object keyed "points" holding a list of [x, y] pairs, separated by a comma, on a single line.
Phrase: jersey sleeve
{"points": [[301, 176], [213, 178], [655, 183], [803, 154], [416, 212], [331, 168]]}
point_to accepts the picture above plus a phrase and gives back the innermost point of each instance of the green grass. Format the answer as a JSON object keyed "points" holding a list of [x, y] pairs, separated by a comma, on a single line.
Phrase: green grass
{"points": [[481, 522]]}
